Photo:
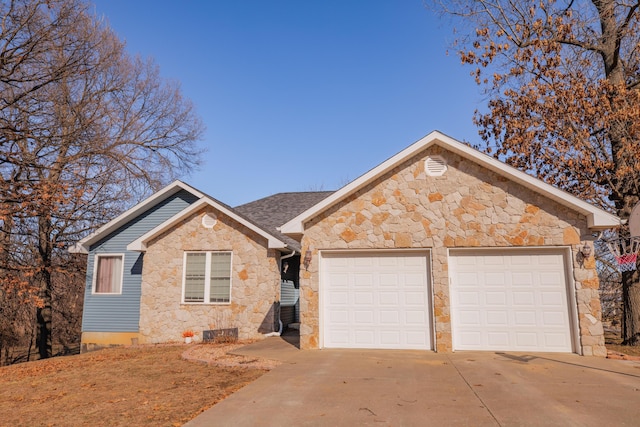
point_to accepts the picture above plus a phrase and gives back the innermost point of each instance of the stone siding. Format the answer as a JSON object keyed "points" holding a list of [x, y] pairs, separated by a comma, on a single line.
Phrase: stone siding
{"points": [[255, 282], [468, 207]]}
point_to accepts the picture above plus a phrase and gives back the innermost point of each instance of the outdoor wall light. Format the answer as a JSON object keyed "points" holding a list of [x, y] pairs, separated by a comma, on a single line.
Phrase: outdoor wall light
{"points": [[307, 259], [584, 253], [585, 250]]}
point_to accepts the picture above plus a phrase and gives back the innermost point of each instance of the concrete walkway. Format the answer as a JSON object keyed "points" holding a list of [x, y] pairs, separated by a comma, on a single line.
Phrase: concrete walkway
{"points": [[416, 388]]}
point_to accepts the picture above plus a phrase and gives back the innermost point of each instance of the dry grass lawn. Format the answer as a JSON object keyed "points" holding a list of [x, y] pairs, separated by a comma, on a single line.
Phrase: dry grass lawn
{"points": [[135, 386], [143, 386], [613, 340]]}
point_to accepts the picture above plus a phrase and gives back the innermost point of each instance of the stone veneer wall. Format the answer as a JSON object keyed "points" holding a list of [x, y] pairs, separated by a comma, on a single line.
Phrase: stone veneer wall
{"points": [[469, 206], [255, 282]]}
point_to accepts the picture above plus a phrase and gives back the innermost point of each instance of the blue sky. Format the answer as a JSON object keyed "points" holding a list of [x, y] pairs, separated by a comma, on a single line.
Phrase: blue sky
{"points": [[302, 95]]}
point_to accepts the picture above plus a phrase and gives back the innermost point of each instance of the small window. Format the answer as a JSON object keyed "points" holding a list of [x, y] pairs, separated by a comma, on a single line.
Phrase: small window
{"points": [[107, 277], [207, 277]]}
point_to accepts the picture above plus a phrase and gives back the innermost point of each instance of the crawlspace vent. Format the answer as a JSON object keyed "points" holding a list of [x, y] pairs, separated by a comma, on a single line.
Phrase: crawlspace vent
{"points": [[435, 166]]}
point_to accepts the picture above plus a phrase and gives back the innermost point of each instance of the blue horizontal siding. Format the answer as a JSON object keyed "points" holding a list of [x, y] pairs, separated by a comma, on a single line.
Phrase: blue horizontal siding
{"points": [[121, 313], [289, 295]]}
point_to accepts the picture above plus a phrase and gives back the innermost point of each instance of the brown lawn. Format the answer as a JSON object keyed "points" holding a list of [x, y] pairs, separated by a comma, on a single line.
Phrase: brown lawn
{"points": [[613, 340], [135, 386], [143, 386]]}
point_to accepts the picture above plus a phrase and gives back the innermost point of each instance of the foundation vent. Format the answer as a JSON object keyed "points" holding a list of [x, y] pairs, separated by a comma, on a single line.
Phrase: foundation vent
{"points": [[435, 166]]}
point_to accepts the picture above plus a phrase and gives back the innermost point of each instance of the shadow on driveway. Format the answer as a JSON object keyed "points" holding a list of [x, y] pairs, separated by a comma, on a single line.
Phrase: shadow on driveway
{"points": [[527, 358]]}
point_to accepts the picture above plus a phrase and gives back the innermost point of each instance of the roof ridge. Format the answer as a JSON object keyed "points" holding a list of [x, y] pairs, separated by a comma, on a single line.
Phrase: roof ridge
{"points": [[287, 193]]}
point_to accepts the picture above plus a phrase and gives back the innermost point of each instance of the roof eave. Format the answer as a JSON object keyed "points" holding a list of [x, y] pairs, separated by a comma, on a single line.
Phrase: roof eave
{"points": [[597, 219], [84, 244], [600, 222], [78, 249], [140, 244]]}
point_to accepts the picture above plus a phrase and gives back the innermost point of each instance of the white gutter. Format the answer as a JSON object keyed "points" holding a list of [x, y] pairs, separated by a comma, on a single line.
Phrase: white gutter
{"points": [[293, 252]]}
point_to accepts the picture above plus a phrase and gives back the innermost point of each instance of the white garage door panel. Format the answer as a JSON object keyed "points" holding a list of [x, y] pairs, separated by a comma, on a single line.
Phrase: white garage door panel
{"points": [[375, 301], [510, 301]]}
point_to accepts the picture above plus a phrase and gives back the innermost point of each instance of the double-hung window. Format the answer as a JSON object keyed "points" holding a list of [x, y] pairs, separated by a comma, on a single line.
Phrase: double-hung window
{"points": [[107, 274], [207, 277]]}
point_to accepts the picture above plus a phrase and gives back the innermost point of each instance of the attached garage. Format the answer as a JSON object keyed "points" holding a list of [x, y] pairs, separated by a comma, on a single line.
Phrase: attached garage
{"points": [[510, 300], [508, 258], [376, 300]]}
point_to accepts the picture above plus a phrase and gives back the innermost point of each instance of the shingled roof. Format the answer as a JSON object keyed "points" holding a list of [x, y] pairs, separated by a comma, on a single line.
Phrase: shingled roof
{"points": [[273, 211]]}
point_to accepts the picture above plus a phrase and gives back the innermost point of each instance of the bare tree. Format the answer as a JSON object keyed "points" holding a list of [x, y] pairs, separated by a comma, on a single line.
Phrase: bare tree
{"points": [[84, 129], [564, 84]]}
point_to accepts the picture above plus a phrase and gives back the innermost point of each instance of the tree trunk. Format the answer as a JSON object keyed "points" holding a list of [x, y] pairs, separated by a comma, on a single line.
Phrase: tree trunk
{"points": [[624, 192], [631, 307], [43, 317], [31, 337], [625, 198], [44, 312]]}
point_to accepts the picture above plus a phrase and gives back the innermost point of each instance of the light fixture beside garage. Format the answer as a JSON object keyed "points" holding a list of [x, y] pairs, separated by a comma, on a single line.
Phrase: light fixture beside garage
{"points": [[435, 166], [307, 259], [584, 252]]}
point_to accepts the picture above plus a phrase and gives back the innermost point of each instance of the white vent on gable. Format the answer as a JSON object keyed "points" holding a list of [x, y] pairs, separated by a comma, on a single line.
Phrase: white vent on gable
{"points": [[435, 166], [209, 220]]}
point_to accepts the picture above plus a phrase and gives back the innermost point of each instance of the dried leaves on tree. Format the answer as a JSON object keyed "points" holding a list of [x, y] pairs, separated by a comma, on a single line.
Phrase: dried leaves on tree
{"points": [[85, 129], [563, 79]]}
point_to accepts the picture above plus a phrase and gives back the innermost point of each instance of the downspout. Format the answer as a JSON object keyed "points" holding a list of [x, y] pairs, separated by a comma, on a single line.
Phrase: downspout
{"points": [[287, 256], [277, 334]]}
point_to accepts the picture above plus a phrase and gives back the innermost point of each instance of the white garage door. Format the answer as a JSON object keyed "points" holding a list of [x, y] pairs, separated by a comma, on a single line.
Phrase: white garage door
{"points": [[375, 301], [510, 300]]}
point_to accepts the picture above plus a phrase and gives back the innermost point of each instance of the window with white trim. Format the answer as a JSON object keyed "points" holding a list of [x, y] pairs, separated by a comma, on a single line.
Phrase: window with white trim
{"points": [[107, 274], [207, 277]]}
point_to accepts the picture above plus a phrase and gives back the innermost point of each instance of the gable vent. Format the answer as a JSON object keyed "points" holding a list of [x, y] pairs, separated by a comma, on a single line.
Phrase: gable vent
{"points": [[209, 220], [435, 166]]}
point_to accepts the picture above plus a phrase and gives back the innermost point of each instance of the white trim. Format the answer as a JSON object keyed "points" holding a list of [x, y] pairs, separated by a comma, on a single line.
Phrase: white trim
{"points": [[140, 244], [597, 219], [207, 279], [83, 245], [95, 272], [570, 286], [572, 300]]}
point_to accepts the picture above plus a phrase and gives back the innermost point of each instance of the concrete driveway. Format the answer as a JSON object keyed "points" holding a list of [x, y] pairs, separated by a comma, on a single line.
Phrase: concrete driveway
{"points": [[416, 388]]}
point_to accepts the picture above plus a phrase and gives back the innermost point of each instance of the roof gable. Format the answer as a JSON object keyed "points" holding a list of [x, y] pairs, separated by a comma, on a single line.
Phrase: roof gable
{"points": [[275, 239], [140, 244], [83, 245], [597, 218]]}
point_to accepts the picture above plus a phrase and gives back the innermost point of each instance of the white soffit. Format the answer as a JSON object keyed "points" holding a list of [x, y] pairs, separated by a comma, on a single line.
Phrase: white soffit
{"points": [[597, 219]]}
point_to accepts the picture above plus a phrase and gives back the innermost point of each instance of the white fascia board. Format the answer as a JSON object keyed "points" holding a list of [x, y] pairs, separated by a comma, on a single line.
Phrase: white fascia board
{"points": [[597, 219], [296, 225], [83, 245], [603, 220], [77, 249], [140, 244]]}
